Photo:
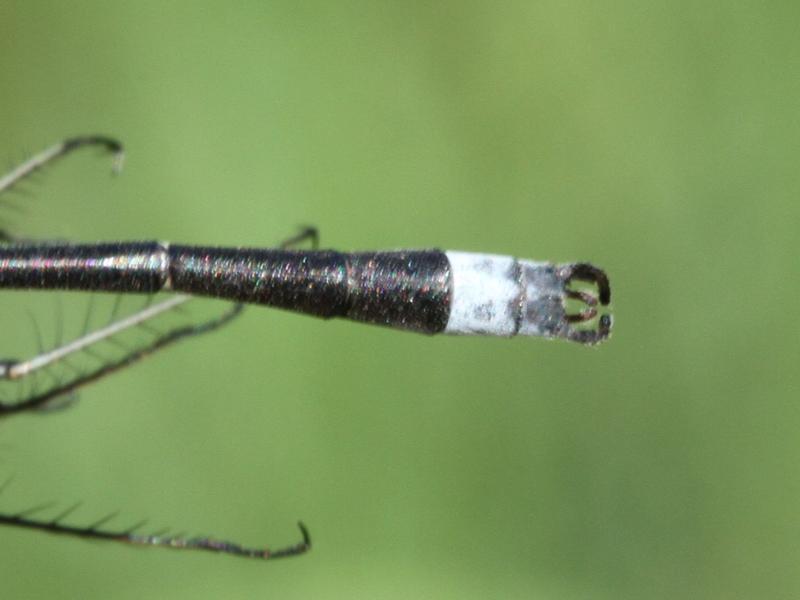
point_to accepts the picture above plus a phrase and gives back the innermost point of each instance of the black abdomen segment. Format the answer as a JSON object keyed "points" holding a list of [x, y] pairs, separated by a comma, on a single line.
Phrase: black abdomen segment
{"points": [[405, 289], [113, 267]]}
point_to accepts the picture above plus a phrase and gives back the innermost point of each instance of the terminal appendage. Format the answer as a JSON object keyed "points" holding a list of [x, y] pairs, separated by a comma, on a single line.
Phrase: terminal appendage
{"points": [[590, 274]]}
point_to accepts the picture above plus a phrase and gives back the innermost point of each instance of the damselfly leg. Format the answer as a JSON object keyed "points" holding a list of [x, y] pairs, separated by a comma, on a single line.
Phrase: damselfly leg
{"points": [[88, 344]]}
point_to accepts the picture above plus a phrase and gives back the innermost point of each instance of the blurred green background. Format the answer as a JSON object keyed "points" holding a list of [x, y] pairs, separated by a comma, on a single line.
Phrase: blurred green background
{"points": [[658, 140]]}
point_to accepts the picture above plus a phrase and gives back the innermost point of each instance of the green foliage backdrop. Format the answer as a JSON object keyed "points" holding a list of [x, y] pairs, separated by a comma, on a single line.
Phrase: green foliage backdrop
{"points": [[659, 140]]}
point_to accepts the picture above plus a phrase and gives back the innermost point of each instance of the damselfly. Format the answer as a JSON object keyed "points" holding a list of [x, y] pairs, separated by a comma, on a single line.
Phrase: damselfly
{"points": [[425, 291]]}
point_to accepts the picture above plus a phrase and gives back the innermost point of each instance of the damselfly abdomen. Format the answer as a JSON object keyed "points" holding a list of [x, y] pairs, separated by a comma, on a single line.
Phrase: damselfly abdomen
{"points": [[429, 291]]}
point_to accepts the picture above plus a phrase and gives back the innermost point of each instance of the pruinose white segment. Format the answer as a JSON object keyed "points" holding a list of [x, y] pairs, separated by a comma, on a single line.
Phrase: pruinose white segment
{"points": [[506, 296], [486, 294]]}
